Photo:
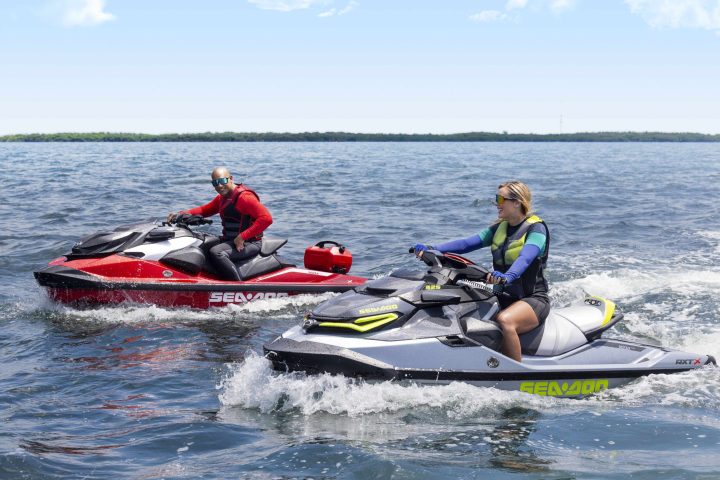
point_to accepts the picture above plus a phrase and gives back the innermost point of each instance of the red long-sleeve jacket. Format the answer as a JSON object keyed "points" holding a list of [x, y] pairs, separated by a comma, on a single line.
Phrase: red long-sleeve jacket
{"points": [[241, 211]]}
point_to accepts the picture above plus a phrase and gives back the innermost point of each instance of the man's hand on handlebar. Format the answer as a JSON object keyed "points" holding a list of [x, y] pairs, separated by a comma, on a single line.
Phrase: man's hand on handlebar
{"points": [[187, 219]]}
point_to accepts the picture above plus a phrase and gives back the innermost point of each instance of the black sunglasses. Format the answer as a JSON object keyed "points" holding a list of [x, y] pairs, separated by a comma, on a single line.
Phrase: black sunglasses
{"points": [[499, 199], [220, 181]]}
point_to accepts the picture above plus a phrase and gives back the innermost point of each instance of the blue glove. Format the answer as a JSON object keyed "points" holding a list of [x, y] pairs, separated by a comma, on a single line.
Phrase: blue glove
{"points": [[420, 247], [503, 277]]}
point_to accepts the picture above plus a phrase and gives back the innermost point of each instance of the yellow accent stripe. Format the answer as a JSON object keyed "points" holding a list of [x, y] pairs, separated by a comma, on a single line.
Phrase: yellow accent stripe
{"points": [[609, 309], [363, 324], [373, 318]]}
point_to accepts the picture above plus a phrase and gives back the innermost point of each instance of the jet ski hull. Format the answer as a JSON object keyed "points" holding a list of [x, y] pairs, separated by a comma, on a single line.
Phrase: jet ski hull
{"points": [[173, 288], [168, 265], [597, 366]]}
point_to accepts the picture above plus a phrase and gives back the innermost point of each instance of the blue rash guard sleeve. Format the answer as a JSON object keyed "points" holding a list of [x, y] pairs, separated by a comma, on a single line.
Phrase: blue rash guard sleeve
{"points": [[487, 235], [464, 245], [538, 239], [528, 253]]}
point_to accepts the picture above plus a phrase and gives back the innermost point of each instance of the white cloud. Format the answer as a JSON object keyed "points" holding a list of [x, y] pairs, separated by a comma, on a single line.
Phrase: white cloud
{"points": [[286, 5], [512, 7], [487, 16], [558, 6], [343, 11], [80, 13], [703, 14], [513, 4], [348, 7]]}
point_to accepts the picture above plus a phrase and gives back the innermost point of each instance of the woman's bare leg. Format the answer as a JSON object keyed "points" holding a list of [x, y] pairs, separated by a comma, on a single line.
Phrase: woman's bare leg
{"points": [[515, 319]]}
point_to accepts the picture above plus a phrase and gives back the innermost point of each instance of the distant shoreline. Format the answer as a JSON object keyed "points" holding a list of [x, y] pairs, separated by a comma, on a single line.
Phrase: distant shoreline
{"points": [[364, 137]]}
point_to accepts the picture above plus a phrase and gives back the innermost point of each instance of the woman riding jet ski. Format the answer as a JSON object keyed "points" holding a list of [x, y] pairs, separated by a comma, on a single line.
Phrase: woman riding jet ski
{"points": [[520, 244], [438, 327], [449, 324]]}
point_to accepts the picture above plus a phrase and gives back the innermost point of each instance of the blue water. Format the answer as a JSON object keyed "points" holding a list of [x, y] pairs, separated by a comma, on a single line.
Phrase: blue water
{"points": [[145, 392]]}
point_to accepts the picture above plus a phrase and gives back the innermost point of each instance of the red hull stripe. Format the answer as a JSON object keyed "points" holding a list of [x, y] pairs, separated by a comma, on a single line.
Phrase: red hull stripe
{"points": [[82, 296]]}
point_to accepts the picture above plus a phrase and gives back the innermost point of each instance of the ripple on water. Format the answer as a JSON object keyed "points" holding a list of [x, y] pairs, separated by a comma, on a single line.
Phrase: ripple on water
{"points": [[181, 393]]}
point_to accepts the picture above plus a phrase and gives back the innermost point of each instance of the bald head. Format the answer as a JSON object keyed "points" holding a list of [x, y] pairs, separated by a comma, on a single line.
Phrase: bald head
{"points": [[223, 189], [220, 172]]}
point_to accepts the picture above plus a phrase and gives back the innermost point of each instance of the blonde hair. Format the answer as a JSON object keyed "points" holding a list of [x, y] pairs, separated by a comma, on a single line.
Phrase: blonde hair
{"points": [[520, 192]]}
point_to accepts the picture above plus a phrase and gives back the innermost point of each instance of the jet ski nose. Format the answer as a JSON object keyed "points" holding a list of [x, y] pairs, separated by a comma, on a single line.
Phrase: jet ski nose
{"points": [[711, 361]]}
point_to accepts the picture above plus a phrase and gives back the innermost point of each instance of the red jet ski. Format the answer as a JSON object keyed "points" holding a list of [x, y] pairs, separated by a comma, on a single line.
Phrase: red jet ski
{"points": [[163, 264]]}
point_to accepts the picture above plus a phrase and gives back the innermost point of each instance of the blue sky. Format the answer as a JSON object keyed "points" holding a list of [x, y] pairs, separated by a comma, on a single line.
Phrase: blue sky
{"points": [[358, 65]]}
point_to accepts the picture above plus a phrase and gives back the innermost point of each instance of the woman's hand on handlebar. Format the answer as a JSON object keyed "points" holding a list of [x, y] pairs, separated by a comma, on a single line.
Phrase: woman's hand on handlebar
{"points": [[419, 248], [496, 278]]}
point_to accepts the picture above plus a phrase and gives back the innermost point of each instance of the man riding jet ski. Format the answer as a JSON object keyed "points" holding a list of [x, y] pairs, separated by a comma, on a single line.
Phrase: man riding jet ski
{"points": [[437, 327], [244, 219], [167, 264]]}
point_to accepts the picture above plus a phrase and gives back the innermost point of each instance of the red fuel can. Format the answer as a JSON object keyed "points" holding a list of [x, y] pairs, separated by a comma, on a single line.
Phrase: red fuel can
{"points": [[328, 256]]}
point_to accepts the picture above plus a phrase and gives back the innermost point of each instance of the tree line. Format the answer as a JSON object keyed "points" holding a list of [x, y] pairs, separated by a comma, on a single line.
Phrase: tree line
{"points": [[363, 137]]}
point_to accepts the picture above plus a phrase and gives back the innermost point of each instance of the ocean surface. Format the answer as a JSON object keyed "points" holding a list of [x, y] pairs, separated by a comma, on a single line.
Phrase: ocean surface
{"points": [[143, 392]]}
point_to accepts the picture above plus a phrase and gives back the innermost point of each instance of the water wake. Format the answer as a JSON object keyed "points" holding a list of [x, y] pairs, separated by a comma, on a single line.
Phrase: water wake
{"points": [[674, 309], [276, 308], [252, 384]]}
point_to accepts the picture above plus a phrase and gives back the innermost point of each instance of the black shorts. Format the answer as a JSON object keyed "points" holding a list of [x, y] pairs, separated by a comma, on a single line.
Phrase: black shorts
{"points": [[539, 302]]}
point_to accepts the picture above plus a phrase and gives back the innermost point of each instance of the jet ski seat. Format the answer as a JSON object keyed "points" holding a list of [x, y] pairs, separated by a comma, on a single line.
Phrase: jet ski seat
{"points": [[271, 245], [266, 261], [249, 267], [570, 327]]}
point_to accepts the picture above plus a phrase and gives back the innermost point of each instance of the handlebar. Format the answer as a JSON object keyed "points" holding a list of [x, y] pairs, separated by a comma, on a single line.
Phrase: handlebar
{"points": [[468, 268], [457, 262], [187, 220]]}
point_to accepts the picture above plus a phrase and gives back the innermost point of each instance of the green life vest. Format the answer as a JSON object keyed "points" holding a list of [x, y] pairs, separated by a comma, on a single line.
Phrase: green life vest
{"points": [[505, 250]]}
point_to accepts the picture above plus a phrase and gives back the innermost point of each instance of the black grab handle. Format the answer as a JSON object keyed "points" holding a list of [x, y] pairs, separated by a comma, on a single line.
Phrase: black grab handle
{"points": [[336, 244]]}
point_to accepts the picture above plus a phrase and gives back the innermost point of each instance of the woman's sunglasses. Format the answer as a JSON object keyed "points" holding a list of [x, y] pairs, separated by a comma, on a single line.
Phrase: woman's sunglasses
{"points": [[499, 199], [220, 181]]}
